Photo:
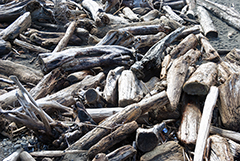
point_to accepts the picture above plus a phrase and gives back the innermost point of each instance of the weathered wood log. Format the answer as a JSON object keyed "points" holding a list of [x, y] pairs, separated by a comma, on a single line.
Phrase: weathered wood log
{"points": [[5, 47], [117, 37], [175, 80], [151, 15], [235, 148], [100, 157], [24, 73], [65, 96], [8, 99], [130, 14], [31, 46], [47, 38], [233, 135], [115, 20], [110, 89], [147, 40], [189, 42], [191, 30], [96, 12], [172, 15], [148, 139], [165, 64], [154, 55], [229, 15], [19, 25], [210, 53], [203, 131], [129, 113], [48, 83], [122, 153], [170, 150], [114, 58], [12, 11], [94, 98], [228, 93], [191, 5], [25, 156], [220, 149], [78, 76], [101, 31], [206, 22], [69, 32], [113, 138], [54, 153], [202, 79], [50, 61], [130, 89], [191, 117], [171, 23], [14, 156]]}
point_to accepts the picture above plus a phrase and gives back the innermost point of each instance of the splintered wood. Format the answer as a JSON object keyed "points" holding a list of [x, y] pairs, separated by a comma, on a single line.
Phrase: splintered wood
{"points": [[117, 80]]}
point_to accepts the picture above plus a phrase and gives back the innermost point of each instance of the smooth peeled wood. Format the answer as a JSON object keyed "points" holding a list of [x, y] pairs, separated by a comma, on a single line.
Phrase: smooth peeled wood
{"points": [[78, 76], [229, 102], [172, 15], [148, 139], [205, 123], [110, 89], [25, 74], [151, 15], [191, 117], [206, 22], [25, 156], [201, 80], [220, 149], [154, 56], [113, 138], [189, 42], [100, 157], [130, 14], [130, 89], [19, 25], [168, 151], [129, 113], [122, 153]]}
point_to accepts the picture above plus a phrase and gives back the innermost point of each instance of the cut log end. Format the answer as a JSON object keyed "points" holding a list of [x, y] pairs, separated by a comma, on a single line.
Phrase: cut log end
{"points": [[199, 89]]}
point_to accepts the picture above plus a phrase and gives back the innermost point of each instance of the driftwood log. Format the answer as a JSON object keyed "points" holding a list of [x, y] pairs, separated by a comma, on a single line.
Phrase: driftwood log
{"points": [[202, 79], [206, 22], [113, 138], [122, 153], [24, 73], [19, 25], [228, 93], [170, 150], [110, 90], [154, 55], [5, 47]]}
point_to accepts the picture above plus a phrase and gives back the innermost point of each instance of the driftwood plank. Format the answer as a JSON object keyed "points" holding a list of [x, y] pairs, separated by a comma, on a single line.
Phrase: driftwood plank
{"points": [[204, 128]]}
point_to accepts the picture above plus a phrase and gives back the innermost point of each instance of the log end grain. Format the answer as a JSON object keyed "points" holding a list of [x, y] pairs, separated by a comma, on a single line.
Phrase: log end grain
{"points": [[196, 88]]}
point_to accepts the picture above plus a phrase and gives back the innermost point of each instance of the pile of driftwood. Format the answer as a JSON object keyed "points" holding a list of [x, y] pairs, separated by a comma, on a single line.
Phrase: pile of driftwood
{"points": [[120, 80]]}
